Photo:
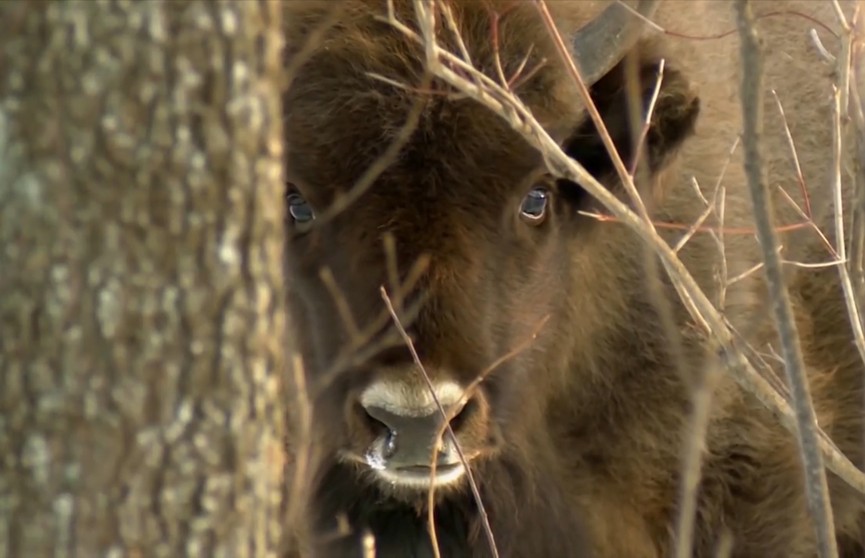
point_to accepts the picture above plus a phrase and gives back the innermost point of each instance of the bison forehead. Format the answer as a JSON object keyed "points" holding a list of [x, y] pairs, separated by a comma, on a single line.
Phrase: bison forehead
{"points": [[352, 97], [453, 143]]}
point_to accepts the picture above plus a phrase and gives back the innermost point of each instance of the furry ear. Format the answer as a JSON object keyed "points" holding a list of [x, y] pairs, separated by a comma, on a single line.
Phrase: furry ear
{"points": [[673, 118]]}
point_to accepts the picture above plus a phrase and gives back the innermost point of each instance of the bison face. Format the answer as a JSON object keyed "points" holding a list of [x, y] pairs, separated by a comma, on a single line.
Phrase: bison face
{"points": [[478, 259], [498, 277]]}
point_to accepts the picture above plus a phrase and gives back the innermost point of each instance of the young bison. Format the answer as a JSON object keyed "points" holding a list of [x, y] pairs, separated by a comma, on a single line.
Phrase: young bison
{"points": [[574, 441]]}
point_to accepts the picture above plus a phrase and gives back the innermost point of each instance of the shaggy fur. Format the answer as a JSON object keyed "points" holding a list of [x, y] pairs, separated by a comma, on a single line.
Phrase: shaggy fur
{"points": [[586, 426]]}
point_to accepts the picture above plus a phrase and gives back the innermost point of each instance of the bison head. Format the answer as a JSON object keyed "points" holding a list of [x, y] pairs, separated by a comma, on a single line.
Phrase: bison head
{"points": [[506, 288]]}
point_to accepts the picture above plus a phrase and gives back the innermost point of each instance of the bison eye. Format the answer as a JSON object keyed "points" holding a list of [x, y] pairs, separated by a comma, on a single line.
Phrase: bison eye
{"points": [[533, 209], [299, 209]]}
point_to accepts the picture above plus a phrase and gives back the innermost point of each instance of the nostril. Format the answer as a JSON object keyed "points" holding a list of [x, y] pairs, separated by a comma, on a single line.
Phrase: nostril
{"points": [[466, 414], [374, 424], [379, 430]]}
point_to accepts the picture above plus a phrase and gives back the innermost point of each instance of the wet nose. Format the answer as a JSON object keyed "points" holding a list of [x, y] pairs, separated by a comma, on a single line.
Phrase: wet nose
{"points": [[408, 433], [409, 440]]}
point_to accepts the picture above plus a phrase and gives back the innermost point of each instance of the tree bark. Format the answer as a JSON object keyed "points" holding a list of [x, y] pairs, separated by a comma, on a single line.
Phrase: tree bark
{"points": [[141, 316]]}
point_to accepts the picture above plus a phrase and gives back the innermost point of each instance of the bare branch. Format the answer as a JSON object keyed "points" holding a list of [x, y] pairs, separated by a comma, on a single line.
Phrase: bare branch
{"points": [[474, 487], [815, 38], [626, 178], [816, 487], [302, 438], [374, 171], [725, 544], [692, 459], [342, 306], [314, 41], [846, 282], [806, 198], [648, 120]]}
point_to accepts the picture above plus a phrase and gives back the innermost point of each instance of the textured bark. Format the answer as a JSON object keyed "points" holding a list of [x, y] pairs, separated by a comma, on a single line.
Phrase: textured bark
{"points": [[141, 316]]}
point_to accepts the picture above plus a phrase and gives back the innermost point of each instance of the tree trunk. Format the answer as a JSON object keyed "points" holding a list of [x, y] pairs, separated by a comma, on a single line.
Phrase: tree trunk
{"points": [[141, 316]]}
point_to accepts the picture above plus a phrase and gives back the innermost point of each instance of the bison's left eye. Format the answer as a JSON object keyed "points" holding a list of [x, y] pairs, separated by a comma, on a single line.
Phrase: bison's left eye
{"points": [[533, 209], [299, 209]]}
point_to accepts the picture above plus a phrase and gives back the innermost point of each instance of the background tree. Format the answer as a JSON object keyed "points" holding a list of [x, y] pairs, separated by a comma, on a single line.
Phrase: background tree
{"points": [[141, 319]]}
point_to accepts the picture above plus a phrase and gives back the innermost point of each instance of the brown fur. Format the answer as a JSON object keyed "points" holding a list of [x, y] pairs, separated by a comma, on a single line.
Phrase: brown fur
{"points": [[590, 420]]}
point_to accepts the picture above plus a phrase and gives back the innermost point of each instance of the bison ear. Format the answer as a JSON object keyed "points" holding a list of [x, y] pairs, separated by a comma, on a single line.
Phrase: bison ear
{"points": [[673, 117]]}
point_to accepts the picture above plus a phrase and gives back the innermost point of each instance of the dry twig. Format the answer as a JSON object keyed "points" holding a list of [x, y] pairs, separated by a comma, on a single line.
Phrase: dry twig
{"points": [[468, 394], [381, 164], [840, 98], [303, 441], [626, 177], [472, 484], [816, 487], [692, 459]]}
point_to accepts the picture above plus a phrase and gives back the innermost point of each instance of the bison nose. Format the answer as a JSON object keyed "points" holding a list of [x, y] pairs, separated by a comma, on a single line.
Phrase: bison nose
{"points": [[409, 429], [409, 440]]}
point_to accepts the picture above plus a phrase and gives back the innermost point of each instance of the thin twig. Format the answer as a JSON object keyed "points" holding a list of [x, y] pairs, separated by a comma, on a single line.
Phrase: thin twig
{"points": [[469, 391], [342, 306], [857, 241], [725, 544], [381, 164], [368, 542], [721, 238], [641, 16], [644, 131], [451, 22], [816, 487], [818, 44], [840, 13], [302, 441], [420, 367], [723, 34], [494, 38], [809, 222], [799, 176], [846, 282], [692, 459], [358, 350], [626, 178], [840, 113], [694, 228], [807, 212], [720, 193], [747, 231], [308, 49], [458, 406]]}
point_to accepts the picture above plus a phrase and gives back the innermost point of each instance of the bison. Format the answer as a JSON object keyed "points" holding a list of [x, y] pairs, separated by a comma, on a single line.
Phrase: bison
{"points": [[575, 437]]}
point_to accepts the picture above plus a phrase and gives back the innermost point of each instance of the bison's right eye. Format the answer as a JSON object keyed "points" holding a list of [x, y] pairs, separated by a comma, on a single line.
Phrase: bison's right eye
{"points": [[299, 209], [533, 209]]}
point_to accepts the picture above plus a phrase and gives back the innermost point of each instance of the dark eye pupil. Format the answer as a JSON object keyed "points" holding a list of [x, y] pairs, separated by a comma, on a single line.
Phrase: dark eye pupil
{"points": [[535, 203], [299, 209]]}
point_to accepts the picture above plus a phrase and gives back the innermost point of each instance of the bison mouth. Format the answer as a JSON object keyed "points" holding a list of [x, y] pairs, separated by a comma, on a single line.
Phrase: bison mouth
{"points": [[405, 481], [420, 477]]}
